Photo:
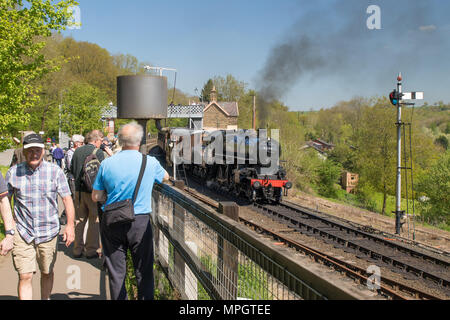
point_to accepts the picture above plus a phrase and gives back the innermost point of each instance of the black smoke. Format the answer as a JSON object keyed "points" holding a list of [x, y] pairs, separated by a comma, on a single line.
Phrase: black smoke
{"points": [[333, 40]]}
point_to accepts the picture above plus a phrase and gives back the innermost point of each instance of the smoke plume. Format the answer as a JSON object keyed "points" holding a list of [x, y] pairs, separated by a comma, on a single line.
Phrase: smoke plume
{"points": [[334, 41]]}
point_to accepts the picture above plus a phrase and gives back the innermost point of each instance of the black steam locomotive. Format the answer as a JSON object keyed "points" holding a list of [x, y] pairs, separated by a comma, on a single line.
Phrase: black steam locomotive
{"points": [[242, 162]]}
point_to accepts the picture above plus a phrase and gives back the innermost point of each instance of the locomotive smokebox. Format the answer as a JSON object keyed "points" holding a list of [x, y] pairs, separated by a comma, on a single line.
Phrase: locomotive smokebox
{"points": [[141, 97]]}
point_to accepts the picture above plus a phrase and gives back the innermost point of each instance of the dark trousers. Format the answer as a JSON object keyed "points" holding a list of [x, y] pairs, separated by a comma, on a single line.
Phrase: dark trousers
{"points": [[136, 236]]}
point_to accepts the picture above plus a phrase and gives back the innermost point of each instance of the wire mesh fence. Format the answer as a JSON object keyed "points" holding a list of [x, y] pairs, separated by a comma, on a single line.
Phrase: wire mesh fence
{"points": [[205, 259]]}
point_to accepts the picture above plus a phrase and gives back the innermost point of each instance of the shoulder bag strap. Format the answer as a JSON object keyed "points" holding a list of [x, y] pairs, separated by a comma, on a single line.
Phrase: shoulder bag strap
{"points": [[141, 174]]}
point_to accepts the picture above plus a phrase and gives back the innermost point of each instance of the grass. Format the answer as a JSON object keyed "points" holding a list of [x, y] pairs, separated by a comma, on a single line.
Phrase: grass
{"points": [[253, 282]]}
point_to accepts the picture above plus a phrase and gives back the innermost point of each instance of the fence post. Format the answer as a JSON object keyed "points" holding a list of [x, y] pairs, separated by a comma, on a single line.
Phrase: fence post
{"points": [[178, 229], [228, 256]]}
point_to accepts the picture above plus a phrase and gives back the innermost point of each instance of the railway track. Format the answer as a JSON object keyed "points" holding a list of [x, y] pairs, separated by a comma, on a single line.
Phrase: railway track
{"points": [[388, 287], [375, 248]]}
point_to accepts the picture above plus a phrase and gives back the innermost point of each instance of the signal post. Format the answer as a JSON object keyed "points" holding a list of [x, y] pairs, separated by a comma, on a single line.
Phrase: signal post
{"points": [[396, 98]]}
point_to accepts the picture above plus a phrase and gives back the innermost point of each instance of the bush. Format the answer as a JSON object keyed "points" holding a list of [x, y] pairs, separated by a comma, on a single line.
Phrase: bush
{"points": [[365, 196], [442, 141], [435, 185], [328, 174]]}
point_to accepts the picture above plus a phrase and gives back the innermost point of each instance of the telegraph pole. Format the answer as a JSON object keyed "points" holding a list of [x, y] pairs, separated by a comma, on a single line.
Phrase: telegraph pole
{"points": [[254, 113]]}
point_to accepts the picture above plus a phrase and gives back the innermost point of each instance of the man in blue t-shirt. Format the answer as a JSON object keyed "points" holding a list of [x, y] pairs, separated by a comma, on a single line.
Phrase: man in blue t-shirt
{"points": [[116, 181]]}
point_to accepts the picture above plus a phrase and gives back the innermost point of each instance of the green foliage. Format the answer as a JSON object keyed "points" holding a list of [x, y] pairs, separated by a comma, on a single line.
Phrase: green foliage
{"points": [[253, 282], [376, 141], [229, 88], [22, 62], [328, 174], [245, 103], [130, 279], [206, 91], [346, 155], [82, 109], [442, 141], [91, 64], [126, 64], [435, 184], [447, 128], [163, 287], [366, 197]]}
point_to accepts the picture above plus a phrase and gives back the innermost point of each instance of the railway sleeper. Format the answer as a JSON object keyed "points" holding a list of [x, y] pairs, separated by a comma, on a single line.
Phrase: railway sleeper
{"points": [[311, 230]]}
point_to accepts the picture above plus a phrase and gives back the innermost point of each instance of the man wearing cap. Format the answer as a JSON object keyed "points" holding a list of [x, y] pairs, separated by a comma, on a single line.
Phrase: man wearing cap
{"points": [[35, 185], [18, 155]]}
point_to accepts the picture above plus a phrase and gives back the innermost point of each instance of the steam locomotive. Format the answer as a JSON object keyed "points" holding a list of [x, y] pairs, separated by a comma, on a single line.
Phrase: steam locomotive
{"points": [[241, 162]]}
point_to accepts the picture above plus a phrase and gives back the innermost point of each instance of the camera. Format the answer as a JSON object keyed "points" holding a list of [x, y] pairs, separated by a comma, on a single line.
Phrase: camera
{"points": [[103, 146]]}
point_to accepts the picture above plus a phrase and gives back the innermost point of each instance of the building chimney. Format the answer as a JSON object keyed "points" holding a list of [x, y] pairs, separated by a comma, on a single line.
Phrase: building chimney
{"points": [[213, 95]]}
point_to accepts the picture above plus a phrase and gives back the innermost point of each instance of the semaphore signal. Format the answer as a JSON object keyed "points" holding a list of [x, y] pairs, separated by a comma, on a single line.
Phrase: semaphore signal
{"points": [[396, 98]]}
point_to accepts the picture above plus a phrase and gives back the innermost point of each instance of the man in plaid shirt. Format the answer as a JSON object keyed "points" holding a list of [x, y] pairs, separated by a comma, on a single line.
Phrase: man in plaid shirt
{"points": [[35, 185]]}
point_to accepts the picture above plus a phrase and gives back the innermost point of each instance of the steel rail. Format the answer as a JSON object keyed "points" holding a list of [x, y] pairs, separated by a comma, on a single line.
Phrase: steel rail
{"points": [[338, 264], [398, 246], [332, 233], [348, 268]]}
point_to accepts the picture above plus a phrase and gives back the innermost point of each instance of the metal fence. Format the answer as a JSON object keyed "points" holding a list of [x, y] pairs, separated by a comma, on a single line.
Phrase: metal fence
{"points": [[207, 255]]}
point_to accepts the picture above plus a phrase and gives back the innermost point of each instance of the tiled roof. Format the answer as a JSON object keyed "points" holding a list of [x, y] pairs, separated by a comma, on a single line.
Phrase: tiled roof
{"points": [[230, 108]]}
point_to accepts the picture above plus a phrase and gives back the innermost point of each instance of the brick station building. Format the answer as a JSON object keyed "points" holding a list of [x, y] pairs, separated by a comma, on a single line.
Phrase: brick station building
{"points": [[220, 115]]}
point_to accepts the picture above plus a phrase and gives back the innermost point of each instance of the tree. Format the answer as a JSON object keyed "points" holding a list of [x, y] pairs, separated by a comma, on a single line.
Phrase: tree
{"points": [[229, 88], [206, 91], [245, 119], [89, 63], [442, 141], [44, 115], [376, 148], [126, 64], [82, 109], [435, 185], [22, 33], [328, 174]]}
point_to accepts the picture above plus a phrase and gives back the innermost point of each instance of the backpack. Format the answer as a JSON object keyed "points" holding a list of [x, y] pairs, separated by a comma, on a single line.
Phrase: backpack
{"points": [[90, 170]]}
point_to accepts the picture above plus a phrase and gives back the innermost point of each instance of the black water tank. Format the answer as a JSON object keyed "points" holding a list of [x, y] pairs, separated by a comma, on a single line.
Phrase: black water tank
{"points": [[141, 97]]}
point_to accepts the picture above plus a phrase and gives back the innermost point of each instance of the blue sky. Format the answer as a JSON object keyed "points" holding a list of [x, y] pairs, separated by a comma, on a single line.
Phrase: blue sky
{"points": [[202, 39]]}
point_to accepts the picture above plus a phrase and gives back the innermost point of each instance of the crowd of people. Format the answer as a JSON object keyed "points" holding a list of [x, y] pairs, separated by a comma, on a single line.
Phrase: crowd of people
{"points": [[35, 183]]}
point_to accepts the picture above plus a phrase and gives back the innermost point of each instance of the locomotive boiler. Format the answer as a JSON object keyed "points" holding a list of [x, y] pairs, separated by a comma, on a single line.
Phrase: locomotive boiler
{"points": [[242, 162]]}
